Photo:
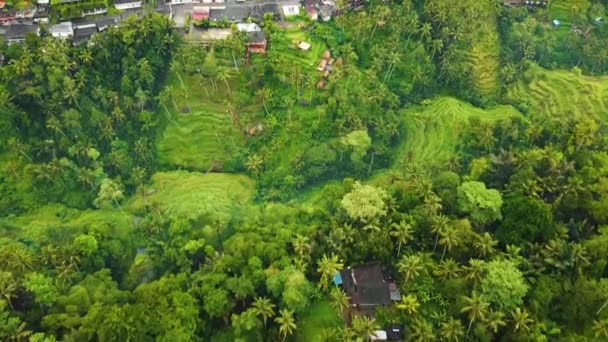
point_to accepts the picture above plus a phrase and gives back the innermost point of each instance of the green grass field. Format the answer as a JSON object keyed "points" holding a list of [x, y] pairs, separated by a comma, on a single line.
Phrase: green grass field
{"points": [[431, 132], [311, 324], [483, 57], [193, 194], [55, 222], [307, 60], [206, 136], [562, 93]]}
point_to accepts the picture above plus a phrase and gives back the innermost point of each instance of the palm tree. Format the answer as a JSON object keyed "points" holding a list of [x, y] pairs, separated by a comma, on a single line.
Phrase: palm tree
{"points": [[475, 271], [287, 324], [224, 75], [364, 327], [327, 267], [451, 330], [447, 269], [425, 31], [409, 304], [263, 307], [484, 244], [301, 245], [495, 320], [8, 287], [449, 239], [422, 331], [521, 320], [439, 225], [254, 163], [403, 233], [600, 329], [339, 300], [410, 266], [475, 307]]}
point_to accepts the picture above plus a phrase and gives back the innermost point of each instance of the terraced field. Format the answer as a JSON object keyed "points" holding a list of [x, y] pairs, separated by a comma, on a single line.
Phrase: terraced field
{"points": [[432, 132], [203, 138], [483, 59], [194, 194], [198, 140], [562, 92]]}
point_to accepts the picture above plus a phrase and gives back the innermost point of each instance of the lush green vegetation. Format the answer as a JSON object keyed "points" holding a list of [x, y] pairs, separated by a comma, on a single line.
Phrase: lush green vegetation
{"points": [[155, 189]]}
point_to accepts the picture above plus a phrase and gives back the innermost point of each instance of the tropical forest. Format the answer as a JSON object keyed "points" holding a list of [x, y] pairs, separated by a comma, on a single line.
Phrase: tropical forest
{"points": [[410, 170]]}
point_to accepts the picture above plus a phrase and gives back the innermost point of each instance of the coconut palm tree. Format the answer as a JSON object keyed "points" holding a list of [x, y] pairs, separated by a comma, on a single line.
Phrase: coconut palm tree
{"points": [[422, 331], [402, 232], [339, 300], [475, 307], [494, 320], [600, 329], [410, 266], [327, 267], [409, 304], [364, 327], [449, 239], [254, 163], [286, 322], [263, 307], [224, 75], [475, 271], [485, 244], [439, 225], [447, 269], [521, 320], [451, 330]]}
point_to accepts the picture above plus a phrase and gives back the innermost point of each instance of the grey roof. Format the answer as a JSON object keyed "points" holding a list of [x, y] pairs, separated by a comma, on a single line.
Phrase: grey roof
{"points": [[230, 13], [125, 1], [256, 37], [19, 31], [65, 27], [83, 34], [104, 23]]}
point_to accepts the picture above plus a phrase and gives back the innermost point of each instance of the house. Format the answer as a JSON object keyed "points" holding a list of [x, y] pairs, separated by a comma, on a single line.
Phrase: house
{"points": [[200, 13], [83, 33], [556, 22], [94, 11], [365, 285], [304, 46], [42, 14], [291, 10], [16, 33], [62, 30], [178, 2], [256, 39], [378, 335], [26, 14], [311, 10], [231, 14], [394, 332], [103, 23], [325, 12], [43, 2], [7, 18], [127, 4]]}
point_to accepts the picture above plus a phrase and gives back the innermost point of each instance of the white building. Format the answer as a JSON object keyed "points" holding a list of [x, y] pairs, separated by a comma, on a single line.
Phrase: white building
{"points": [[291, 10], [127, 4], [62, 30]]}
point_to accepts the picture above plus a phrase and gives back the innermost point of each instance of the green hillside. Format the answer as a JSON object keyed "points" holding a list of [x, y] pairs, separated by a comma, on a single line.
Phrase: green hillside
{"points": [[431, 132], [561, 92], [193, 194]]}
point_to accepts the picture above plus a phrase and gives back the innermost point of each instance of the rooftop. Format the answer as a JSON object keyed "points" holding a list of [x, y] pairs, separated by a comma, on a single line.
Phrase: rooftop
{"points": [[365, 285]]}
